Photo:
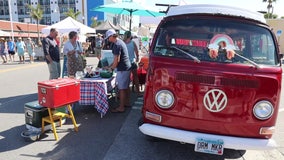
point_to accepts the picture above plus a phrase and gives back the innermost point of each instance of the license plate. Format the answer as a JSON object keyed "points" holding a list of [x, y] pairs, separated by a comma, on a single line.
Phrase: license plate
{"points": [[209, 146]]}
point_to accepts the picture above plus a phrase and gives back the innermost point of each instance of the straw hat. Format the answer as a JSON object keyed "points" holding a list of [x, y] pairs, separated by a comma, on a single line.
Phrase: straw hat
{"points": [[99, 34], [2, 39]]}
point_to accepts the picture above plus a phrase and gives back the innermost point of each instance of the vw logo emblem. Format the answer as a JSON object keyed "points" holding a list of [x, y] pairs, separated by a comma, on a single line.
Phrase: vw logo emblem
{"points": [[215, 100]]}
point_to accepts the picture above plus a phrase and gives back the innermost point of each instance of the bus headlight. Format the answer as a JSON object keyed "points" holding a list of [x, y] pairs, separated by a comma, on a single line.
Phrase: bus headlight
{"points": [[164, 99], [263, 110]]}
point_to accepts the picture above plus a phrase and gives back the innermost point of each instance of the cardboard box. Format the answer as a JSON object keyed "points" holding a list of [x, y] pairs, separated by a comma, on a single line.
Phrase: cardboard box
{"points": [[58, 92]]}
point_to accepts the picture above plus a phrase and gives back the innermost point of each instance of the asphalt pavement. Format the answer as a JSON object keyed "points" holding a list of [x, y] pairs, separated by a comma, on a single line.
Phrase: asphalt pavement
{"points": [[114, 137], [19, 86]]}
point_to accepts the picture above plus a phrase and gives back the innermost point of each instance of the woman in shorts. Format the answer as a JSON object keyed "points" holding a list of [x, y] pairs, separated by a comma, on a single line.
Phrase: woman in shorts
{"points": [[30, 47], [21, 47], [3, 50]]}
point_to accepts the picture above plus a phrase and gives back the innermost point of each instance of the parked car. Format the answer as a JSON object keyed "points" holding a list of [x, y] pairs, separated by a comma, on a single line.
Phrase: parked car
{"points": [[214, 79]]}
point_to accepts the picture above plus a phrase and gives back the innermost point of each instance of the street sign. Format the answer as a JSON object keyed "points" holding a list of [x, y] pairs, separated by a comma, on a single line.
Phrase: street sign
{"points": [[279, 32]]}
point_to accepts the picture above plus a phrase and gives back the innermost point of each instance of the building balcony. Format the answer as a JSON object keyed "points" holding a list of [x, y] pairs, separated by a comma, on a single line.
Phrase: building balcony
{"points": [[66, 2], [44, 3]]}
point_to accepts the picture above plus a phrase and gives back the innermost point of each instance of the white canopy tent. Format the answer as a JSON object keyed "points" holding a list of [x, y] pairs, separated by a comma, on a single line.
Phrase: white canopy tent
{"points": [[150, 23], [4, 34], [143, 31], [67, 25]]}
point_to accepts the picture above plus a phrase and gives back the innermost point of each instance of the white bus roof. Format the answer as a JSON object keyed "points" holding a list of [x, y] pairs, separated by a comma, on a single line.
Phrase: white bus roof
{"points": [[215, 9]]}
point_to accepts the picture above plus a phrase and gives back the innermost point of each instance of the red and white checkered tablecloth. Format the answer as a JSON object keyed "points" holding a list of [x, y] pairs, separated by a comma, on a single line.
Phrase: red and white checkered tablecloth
{"points": [[94, 92]]}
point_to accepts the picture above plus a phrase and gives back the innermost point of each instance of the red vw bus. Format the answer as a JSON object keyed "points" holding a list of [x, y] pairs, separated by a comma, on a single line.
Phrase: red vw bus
{"points": [[214, 79]]}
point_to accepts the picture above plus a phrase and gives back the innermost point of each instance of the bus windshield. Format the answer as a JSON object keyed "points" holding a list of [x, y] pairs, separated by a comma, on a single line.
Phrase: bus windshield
{"points": [[216, 40]]}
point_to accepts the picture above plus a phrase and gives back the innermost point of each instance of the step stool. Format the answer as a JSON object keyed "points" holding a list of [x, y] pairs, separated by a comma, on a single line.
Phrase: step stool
{"points": [[54, 116]]}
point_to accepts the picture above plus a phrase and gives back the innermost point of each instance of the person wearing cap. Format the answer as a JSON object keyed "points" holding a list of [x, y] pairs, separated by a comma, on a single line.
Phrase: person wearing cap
{"points": [[98, 45], [20, 49], [122, 64], [52, 54], [30, 47], [3, 50]]}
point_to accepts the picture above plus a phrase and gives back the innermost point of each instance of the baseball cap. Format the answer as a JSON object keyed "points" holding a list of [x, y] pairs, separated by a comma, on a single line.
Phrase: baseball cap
{"points": [[109, 33]]}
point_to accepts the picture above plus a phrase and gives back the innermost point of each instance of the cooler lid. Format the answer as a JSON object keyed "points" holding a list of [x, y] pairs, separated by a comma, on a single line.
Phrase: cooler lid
{"points": [[34, 105], [58, 82]]}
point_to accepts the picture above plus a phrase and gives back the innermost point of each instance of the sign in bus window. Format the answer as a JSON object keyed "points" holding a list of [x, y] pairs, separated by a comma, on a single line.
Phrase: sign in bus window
{"points": [[189, 42]]}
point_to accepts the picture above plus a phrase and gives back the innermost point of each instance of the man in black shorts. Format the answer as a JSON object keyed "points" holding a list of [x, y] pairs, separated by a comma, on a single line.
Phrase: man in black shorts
{"points": [[11, 49]]}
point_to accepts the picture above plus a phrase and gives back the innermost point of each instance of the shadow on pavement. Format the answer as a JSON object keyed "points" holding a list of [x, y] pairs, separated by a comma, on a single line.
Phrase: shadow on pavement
{"points": [[134, 145], [11, 139], [92, 141], [16, 104]]}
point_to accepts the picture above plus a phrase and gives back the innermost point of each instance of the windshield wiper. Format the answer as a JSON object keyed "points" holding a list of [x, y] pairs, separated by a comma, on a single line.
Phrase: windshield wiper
{"points": [[250, 61], [188, 54]]}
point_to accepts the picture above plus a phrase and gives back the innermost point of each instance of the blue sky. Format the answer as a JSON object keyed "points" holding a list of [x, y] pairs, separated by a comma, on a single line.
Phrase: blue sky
{"points": [[254, 5]]}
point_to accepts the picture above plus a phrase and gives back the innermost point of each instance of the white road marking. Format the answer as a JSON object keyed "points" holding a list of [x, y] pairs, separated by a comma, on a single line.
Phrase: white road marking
{"points": [[138, 103], [21, 67], [137, 108], [140, 98]]}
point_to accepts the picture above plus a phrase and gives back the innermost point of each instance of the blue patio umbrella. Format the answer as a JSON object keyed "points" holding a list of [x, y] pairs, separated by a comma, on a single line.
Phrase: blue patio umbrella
{"points": [[128, 8]]}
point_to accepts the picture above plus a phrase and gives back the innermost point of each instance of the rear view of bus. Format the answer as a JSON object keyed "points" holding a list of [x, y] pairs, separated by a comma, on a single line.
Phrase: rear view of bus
{"points": [[214, 79]]}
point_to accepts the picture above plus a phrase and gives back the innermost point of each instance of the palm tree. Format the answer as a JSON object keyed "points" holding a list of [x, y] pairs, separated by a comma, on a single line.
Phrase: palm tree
{"points": [[37, 14], [271, 16], [72, 14], [95, 22], [269, 7]]}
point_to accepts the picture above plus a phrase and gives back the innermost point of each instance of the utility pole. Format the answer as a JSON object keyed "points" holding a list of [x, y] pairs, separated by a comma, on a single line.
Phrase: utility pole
{"points": [[83, 11], [11, 20], [166, 5]]}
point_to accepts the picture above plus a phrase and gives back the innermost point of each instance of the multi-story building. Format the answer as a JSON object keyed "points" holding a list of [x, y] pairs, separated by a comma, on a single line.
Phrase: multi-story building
{"points": [[53, 11]]}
